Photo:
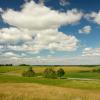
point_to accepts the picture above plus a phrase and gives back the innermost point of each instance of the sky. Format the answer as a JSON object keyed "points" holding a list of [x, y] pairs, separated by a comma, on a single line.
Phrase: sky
{"points": [[50, 32]]}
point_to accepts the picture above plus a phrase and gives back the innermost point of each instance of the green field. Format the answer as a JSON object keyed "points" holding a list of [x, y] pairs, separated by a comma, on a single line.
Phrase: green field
{"points": [[80, 84], [76, 77]]}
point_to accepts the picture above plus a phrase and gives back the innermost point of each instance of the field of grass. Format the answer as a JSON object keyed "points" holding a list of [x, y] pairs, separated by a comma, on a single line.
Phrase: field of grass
{"points": [[18, 69], [29, 91], [39, 88], [71, 71], [90, 75], [79, 84], [39, 69]]}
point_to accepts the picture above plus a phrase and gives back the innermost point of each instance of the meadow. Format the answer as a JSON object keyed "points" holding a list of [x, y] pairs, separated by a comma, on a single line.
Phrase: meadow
{"points": [[79, 83]]}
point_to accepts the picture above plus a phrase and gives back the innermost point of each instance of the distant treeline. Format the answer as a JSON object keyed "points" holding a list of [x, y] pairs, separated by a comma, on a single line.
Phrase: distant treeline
{"points": [[14, 65], [50, 65], [6, 64]]}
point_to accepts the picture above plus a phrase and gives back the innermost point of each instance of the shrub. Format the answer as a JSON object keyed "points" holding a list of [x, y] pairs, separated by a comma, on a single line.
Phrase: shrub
{"points": [[96, 70], [29, 73], [49, 73], [60, 72]]}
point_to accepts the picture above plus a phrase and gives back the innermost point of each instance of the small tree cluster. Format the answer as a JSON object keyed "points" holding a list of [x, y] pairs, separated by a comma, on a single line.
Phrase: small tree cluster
{"points": [[29, 72], [60, 72], [50, 73], [96, 70]]}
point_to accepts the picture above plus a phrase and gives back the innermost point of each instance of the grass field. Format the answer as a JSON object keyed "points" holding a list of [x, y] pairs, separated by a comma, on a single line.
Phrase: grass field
{"points": [[13, 86], [80, 84], [39, 69], [29, 91]]}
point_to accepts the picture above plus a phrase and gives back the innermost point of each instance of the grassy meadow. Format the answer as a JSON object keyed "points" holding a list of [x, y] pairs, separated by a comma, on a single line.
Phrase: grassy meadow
{"points": [[78, 83], [29, 91]]}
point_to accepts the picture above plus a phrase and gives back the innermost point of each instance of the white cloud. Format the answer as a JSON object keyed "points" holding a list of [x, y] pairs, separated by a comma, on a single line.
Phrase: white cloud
{"points": [[9, 54], [85, 30], [37, 26], [38, 17], [94, 16], [54, 40], [15, 34], [45, 40], [91, 52]]}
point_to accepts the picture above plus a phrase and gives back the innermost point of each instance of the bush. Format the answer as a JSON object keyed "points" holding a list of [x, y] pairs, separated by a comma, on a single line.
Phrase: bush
{"points": [[96, 70], [60, 72], [49, 73], [29, 73]]}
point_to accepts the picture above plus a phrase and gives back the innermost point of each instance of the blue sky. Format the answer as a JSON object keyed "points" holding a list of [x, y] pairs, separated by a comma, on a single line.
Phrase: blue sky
{"points": [[50, 31]]}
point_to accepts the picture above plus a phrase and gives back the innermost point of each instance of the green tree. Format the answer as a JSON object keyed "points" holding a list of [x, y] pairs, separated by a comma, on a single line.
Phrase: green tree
{"points": [[60, 72], [29, 73], [49, 73]]}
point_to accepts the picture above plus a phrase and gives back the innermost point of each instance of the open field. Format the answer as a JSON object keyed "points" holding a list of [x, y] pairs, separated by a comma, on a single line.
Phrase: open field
{"points": [[29, 91], [40, 69], [13, 86], [79, 84], [71, 71]]}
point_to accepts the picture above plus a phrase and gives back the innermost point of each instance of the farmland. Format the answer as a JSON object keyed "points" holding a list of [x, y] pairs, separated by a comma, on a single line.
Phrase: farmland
{"points": [[79, 82]]}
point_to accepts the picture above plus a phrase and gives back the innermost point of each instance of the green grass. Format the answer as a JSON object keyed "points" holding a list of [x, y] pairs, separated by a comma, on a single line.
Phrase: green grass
{"points": [[94, 85], [7, 76], [13, 83], [39, 69], [90, 75], [5, 69], [71, 72]]}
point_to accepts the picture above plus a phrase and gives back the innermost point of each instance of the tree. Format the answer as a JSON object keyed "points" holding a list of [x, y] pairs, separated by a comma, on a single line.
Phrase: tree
{"points": [[60, 72], [49, 73], [29, 73]]}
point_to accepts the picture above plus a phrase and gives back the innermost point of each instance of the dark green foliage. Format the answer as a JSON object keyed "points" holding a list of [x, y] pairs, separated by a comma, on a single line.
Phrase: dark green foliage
{"points": [[6, 64], [29, 73], [24, 65], [96, 70], [60, 72], [49, 73]]}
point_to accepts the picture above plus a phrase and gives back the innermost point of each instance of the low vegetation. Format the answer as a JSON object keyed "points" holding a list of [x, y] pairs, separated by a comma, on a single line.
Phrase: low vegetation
{"points": [[60, 72], [49, 73], [29, 73], [31, 91], [56, 83]]}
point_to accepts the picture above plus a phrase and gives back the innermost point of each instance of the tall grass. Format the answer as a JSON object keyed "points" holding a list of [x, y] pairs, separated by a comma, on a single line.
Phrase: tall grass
{"points": [[29, 91]]}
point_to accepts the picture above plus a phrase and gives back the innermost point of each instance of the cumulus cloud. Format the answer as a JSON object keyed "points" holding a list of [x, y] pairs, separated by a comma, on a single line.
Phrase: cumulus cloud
{"points": [[36, 26], [91, 52], [54, 40], [46, 40], [15, 34], [43, 17], [85, 30], [94, 16]]}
